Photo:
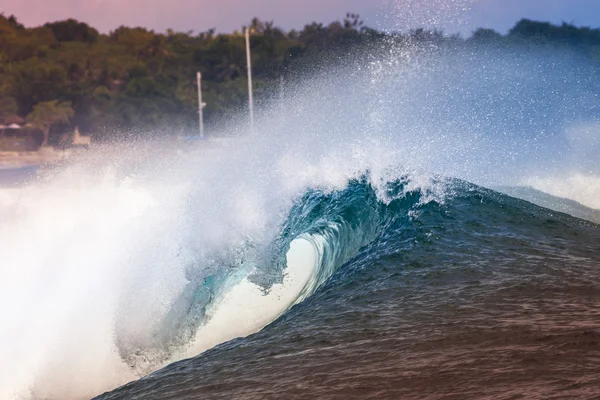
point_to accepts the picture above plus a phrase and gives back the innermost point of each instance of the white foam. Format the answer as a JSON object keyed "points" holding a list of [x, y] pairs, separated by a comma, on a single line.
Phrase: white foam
{"points": [[583, 188], [65, 259], [246, 308]]}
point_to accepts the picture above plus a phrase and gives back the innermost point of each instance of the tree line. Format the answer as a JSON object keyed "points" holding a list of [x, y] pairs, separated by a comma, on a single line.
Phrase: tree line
{"points": [[65, 74]]}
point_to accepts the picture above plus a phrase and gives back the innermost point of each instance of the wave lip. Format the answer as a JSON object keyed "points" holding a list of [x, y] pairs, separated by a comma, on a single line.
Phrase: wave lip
{"points": [[246, 307]]}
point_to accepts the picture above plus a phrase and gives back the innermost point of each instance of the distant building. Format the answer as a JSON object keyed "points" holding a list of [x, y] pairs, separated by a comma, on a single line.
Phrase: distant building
{"points": [[81, 141], [15, 137], [13, 120]]}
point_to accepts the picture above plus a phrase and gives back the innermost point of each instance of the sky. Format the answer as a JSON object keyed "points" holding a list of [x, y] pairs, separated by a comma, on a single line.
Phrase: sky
{"points": [[228, 15]]}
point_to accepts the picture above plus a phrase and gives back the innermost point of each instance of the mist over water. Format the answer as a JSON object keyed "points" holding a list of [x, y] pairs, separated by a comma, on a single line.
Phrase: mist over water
{"points": [[94, 255]]}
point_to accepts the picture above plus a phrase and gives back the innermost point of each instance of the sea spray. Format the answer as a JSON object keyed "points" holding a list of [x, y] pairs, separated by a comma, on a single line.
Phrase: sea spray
{"points": [[95, 254]]}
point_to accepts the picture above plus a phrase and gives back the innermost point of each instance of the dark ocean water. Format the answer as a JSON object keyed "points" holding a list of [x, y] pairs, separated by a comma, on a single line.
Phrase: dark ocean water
{"points": [[468, 294]]}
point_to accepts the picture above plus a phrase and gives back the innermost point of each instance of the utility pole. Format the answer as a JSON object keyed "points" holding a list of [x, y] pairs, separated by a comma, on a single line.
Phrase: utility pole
{"points": [[250, 97], [281, 88], [200, 105]]}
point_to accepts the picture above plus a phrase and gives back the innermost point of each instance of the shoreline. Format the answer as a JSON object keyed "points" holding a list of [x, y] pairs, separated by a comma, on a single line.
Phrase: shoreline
{"points": [[19, 168], [16, 159]]}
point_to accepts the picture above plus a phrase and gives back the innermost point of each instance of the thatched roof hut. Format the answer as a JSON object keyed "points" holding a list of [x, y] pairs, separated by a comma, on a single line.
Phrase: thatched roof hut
{"points": [[13, 119]]}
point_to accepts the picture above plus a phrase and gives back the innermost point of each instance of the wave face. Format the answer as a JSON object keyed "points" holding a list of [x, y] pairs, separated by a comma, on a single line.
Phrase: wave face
{"points": [[408, 289], [351, 231]]}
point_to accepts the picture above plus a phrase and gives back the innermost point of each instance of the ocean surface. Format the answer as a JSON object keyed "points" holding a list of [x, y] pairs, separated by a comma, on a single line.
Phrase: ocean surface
{"points": [[476, 295], [419, 225]]}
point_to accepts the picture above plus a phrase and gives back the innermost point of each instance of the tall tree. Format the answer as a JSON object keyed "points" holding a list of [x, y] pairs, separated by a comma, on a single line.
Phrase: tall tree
{"points": [[8, 107], [49, 113], [72, 30]]}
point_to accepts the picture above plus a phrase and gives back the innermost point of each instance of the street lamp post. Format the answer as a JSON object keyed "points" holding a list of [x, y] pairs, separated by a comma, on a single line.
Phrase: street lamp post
{"points": [[201, 105], [250, 97]]}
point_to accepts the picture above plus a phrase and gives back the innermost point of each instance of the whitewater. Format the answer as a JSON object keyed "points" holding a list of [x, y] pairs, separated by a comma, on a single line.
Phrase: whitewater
{"points": [[142, 254]]}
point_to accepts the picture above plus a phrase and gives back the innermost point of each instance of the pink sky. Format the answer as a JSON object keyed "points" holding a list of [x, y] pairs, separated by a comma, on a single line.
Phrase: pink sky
{"points": [[228, 15], [199, 15]]}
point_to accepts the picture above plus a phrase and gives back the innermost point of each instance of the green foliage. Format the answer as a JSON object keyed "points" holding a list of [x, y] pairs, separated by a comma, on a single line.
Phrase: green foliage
{"points": [[8, 107], [65, 72], [486, 35], [548, 34], [48, 113], [72, 30]]}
